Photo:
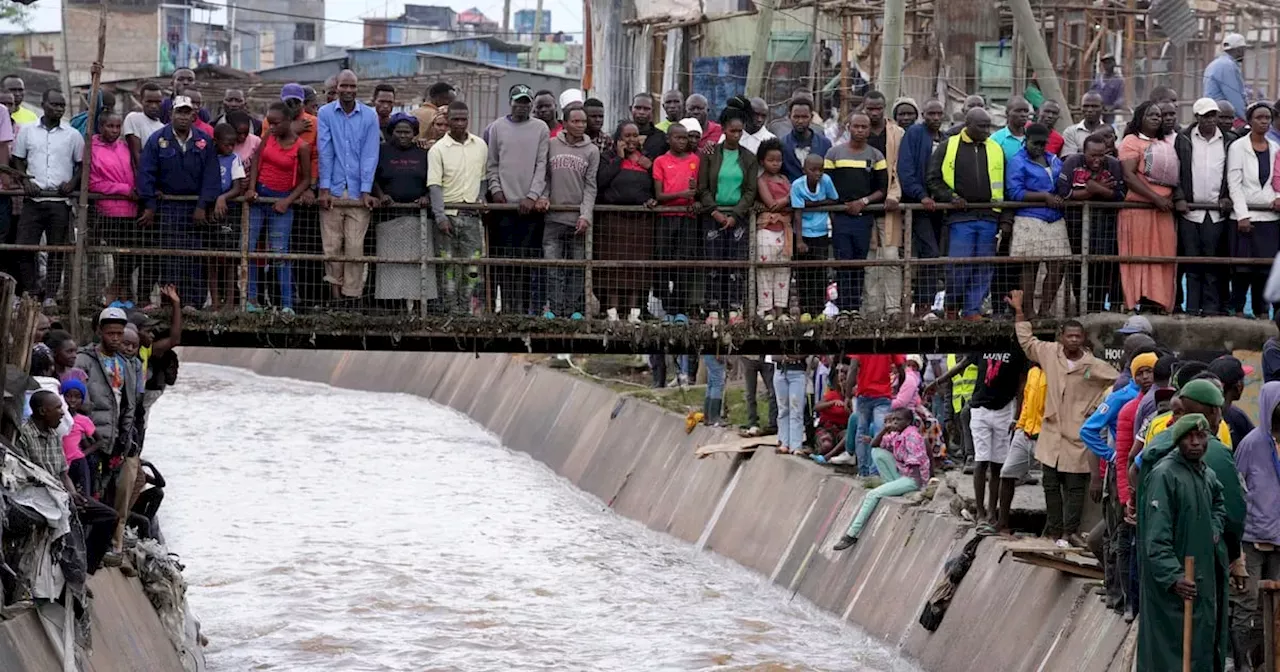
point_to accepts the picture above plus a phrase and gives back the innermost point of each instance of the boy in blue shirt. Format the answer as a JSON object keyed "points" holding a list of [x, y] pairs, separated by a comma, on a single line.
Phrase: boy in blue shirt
{"points": [[813, 239], [222, 231]]}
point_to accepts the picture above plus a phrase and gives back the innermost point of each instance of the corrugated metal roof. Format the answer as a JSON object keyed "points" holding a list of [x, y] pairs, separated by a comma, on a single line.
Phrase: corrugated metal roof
{"points": [[1176, 20]]}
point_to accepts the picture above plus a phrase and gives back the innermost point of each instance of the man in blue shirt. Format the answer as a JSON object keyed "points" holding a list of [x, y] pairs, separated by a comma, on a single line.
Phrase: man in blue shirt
{"points": [[1224, 78], [1110, 85], [802, 141], [349, 139], [1032, 176], [926, 233], [179, 160], [1014, 134]]}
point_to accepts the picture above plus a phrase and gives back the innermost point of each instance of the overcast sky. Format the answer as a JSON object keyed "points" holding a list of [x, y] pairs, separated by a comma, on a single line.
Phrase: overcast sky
{"points": [[342, 17]]}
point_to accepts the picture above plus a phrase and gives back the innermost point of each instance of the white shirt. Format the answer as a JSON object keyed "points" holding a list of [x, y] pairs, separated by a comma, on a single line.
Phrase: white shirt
{"points": [[1250, 199], [51, 154], [751, 141], [1073, 139], [140, 125], [1208, 161]]}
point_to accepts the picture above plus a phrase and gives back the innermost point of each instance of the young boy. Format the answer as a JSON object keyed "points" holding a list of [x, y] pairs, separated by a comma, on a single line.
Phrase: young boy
{"points": [[221, 234], [813, 190], [78, 444], [675, 178]]}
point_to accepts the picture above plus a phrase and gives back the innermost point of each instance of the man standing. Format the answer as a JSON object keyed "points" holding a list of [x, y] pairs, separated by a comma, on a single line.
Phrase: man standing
{"points": [[595, 127], [233, 101], [437, 100], [1224, 78], [1076, 382], [179, 160], [48, 154], [1073, 137], [544, 109], [516, 171], [802, 140], [349, 139], [754, 131], [18, 114], [884, 283], [139, 126], [1013, 137], [973, 102], [869, 381], [969, 167], [38, 442], [861, 177], [1256, 465], [918, 144], [1202, 160], [653, 142], [572, 162], [1231, 372], [183, 78], [1094, 176], [1181, 515], [696, 107], [384, 101], [113, 392], [1110, 85], [673, 108], [753, 367], [455, 174], [1048, 115]]}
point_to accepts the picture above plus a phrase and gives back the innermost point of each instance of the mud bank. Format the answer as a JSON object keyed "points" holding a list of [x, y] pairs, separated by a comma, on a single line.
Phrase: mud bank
{"points": [[776, 515], [127, 635]]}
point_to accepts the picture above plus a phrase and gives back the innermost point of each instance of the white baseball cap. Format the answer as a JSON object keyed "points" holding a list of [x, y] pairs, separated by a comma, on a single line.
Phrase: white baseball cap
{"points": [[1205, 106], [112, 315], [571, 96], [690, 124], [180, 102], [1234, 41]]}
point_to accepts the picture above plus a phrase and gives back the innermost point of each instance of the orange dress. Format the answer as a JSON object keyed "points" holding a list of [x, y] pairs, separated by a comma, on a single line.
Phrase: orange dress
{"points": [[1146, 233]]}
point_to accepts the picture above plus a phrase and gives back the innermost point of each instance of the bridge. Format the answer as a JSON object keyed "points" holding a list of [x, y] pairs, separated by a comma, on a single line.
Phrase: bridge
{"points": [[617, 257]]}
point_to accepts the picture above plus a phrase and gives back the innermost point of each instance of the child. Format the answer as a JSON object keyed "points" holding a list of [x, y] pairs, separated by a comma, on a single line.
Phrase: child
{"points": [[908, 396], [813, 190], [78, 444], [221, 234], [833, 418], [902, 461], [281, 170], [246, 140], [676, 237], [773, 232]]}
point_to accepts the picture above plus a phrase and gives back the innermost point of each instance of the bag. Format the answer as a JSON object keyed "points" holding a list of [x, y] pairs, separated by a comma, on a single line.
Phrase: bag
{"points": [[1160, 163]]}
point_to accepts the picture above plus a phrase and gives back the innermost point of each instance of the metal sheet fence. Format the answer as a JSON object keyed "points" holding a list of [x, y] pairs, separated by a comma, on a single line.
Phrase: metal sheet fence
{"points": [[633, 263]]}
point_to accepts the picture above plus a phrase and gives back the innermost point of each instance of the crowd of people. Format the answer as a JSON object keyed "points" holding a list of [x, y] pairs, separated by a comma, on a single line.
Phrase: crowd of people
{"points": [[808, 188], [1160, 442], [85, 422]]}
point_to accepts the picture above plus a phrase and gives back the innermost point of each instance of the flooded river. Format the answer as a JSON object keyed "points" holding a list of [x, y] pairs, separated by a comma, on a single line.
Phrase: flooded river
{"points": [[334, 530]]}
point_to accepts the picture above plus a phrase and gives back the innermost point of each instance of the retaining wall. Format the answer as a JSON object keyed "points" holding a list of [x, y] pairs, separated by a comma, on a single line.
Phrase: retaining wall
{"points": [[775, 514]]}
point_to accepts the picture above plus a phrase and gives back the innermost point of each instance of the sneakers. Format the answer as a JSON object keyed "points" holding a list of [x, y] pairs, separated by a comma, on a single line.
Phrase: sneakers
{"points": [[843, 458], [1062, 543], [634, 316], [806, 318], [549, 315], [845, 542], [611, 314], [713, 318], [576, 316]]}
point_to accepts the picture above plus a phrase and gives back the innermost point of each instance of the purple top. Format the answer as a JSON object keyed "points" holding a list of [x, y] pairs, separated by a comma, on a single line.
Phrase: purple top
{"points": [[1259, 469], [1111, 89]]}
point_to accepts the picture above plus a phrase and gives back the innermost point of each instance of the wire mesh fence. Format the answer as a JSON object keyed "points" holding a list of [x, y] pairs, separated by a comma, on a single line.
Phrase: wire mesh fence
{"points": [[634, 263]]}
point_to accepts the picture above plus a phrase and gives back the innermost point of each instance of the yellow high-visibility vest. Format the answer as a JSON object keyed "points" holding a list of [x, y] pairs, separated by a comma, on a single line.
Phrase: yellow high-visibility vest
{"points": [[961, 385], [995, 164]]}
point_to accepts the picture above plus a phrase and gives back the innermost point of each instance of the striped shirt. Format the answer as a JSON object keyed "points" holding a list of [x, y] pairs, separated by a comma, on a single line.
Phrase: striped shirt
{"points": [[856, 173]]}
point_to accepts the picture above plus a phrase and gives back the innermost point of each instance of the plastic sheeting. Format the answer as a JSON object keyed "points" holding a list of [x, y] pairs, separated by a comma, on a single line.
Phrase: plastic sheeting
{"points": [[29, 486], [161, 576]]}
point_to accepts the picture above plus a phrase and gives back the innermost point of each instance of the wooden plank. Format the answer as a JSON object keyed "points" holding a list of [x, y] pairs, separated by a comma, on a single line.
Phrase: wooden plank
{"points": [[1059, 563], [747, 445]]}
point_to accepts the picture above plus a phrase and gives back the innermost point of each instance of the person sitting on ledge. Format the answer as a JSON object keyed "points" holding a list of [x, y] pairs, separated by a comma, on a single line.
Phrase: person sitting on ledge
{"points": [[903, 463]]}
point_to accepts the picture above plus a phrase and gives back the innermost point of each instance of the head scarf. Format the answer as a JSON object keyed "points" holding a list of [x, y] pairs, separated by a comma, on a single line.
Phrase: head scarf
{"points": [[1203, 391], [399, 117], [1187, 424], [1145, 360]]}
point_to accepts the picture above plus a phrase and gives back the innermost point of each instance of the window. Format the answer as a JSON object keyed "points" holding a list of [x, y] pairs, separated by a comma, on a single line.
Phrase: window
{"points": [[304, 32]]}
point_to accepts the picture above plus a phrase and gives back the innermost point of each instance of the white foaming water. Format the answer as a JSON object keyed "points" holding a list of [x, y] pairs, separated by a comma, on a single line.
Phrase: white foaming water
{"points": [[333, 530]]}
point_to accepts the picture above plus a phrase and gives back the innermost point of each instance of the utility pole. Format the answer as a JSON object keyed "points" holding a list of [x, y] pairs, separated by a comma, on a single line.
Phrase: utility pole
{"points": [[537, 37], [1033, 39], [892, 42], [815, 59], [506, 20], [760, 50], [66, 60]]}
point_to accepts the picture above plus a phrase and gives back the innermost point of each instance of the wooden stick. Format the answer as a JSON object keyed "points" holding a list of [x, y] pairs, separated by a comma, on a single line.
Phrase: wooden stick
{"points": [[1187, 606]]}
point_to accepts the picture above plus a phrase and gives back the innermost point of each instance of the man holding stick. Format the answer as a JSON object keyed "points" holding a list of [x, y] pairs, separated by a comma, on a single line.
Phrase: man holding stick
{"points": [[1183, 562]]}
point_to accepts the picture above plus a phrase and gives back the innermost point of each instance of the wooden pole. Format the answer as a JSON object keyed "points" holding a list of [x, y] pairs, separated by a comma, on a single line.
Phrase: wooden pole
{"points": [[758, 65], [1033, 39], [844, 69], [1130, 46], [537, 37], [815, 58], [82, 212], [1187, 607]]}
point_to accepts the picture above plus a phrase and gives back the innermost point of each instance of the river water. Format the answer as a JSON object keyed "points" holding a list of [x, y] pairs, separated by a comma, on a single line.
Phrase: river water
{"points": [[334, 530]]}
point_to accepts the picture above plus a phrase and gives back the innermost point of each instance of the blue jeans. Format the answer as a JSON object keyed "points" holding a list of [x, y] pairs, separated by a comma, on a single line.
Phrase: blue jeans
{"points": [[789, 387], [968, 284], [864, 424], [895, 485], [851, 238], [279, 229], [715, 376]]}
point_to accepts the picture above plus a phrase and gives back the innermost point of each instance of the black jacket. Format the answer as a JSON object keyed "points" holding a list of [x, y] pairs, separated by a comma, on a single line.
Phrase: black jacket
{"points": [[615, 186], [709, 177]]}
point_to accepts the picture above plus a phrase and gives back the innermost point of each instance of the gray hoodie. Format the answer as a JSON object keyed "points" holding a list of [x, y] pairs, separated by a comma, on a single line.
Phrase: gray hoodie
{"points": [[571, 178], [517, 158]]}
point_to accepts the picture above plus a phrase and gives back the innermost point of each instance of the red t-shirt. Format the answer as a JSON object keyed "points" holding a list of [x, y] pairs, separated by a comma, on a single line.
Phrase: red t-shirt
{"points": [[837, 416], [674, 173], [875, 374]]}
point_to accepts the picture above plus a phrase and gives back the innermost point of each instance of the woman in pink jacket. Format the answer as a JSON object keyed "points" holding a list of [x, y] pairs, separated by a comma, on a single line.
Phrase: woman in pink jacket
{"points": [[111, 172]]}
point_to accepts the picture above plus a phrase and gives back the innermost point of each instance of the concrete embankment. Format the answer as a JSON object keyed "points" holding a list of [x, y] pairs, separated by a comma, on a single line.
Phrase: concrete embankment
{"points": [[777, 515], [127, 635]]}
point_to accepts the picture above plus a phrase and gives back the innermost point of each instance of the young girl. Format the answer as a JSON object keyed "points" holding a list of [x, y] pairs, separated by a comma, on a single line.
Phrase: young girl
{"points": [[833, 418], [789, 383], [222, 234], [773, 232], [281, 169], [903, 462], [78, 444]]}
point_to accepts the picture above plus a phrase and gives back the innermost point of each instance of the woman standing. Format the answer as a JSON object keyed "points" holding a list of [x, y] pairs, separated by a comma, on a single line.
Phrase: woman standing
{"points": [[726, 179], [401, 177], [623, 179], [1150, 166], [773, 232], [282, 170], [1251, 180]]}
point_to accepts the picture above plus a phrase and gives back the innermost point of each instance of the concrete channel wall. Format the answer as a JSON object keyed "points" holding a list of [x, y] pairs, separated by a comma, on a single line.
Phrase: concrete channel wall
{"points": [[777, 515]]}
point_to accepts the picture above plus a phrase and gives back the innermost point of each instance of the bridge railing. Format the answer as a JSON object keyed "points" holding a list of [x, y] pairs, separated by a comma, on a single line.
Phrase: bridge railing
{"points": [[394, 259]]}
